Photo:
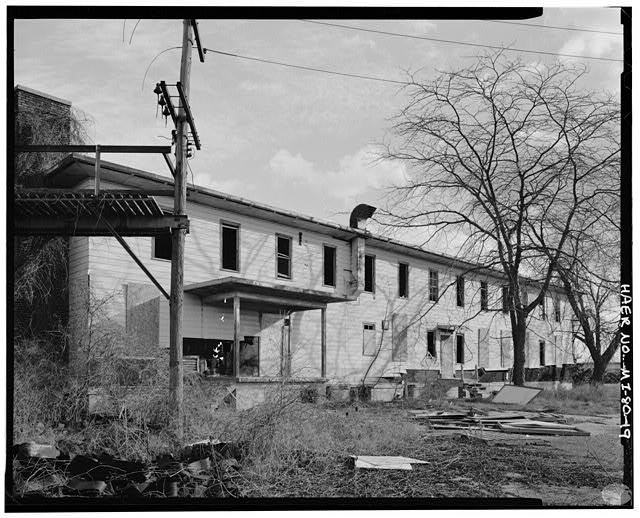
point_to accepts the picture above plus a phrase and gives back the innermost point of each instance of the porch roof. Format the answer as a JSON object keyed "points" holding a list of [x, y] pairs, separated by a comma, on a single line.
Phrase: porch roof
{"points": [[261, 295]]}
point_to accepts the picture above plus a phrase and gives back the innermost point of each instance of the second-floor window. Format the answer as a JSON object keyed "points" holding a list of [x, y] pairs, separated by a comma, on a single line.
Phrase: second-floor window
{"points": [[283, 256], [557, 310], [230, 246], [370, 273], [505, 299], [542, 359], [433, 285], [543, 309], [460, 290], [484, 296], [403, 280], [329, 261]]}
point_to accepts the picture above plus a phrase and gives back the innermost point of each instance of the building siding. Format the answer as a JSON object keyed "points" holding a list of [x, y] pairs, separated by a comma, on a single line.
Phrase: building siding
{"points": [[112, 271]]}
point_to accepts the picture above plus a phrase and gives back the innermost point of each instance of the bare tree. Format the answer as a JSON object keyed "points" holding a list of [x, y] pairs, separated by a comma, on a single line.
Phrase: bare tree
{"points": [[509, 156]]}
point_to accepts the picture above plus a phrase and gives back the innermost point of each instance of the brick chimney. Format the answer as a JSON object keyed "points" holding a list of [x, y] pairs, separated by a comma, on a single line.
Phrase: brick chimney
{"points": [[40, 118]]}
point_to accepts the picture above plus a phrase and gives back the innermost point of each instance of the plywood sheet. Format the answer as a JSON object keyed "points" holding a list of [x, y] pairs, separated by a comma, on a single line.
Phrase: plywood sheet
{"points": [[385, 462], [516, 395]]}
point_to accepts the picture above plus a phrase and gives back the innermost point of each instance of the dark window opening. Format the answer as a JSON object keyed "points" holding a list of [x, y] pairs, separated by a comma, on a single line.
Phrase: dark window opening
{"points": [[460, 290], [216, 356], [230, 247], [431, 343], [542, 353], [403, 280], [505, 299], [557, 311], [283, 257], [329, 265], [162, 247], [433, 286], [484, 296], [369, 273], [543, 309], [459, 348]]}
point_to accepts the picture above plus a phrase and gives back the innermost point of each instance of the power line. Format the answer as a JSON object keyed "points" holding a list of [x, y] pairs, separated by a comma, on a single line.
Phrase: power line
{"points": [[455, 42], [579, 29], [311, 69]]}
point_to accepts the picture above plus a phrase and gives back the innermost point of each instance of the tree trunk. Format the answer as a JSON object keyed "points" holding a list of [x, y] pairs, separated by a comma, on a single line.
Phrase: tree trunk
{"points": [[519, 339], [599, 369]]}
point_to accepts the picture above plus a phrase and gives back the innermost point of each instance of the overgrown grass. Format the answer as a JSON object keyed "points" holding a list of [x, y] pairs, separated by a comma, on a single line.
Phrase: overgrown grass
{"points": [[580, 399]]}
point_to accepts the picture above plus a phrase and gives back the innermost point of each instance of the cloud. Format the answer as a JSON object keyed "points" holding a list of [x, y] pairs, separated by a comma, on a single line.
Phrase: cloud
{"points": [[357, 178]]}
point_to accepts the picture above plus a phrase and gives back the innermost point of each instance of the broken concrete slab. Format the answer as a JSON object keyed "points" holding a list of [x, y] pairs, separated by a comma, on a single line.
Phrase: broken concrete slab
{"points": [[385, 462], [515, 395]]}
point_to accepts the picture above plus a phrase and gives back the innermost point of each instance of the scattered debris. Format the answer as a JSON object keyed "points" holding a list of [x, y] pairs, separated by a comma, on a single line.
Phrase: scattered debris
{"points": [[513, 394], [498, 425], [385, 462], [204, 469]]}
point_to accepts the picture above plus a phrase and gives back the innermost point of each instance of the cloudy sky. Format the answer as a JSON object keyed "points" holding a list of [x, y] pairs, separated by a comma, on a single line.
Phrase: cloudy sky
{"points": [[299, 140]]}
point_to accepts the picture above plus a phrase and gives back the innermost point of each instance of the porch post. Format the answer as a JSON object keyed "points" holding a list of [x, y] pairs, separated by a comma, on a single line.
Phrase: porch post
{"points": [[236, 335], [323, 342]]}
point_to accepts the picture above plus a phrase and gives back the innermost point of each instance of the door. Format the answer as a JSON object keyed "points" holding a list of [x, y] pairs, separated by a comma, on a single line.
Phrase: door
{"points": [[446, 355]]}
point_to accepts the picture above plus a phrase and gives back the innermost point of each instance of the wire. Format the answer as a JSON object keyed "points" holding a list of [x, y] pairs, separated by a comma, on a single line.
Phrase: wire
{"points": [[454, 42], [134, 30], [301, 67], [580, 29], [152, 61]]}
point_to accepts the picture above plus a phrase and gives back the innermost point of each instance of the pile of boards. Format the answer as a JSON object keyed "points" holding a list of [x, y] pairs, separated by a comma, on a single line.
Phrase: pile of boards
{"points": [[202, 469], [541, 423]]}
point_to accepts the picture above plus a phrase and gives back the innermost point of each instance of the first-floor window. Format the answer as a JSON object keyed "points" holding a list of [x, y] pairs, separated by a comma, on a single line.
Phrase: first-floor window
{"points": [[431, 343], [162, 247], [541, 352], [459, 348], [368, 339]]}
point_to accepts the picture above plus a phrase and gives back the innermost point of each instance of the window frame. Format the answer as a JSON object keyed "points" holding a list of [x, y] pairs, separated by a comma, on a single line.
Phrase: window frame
{"points": [[433, 355], [460, 345], [484, 296], [325, 246], [542, 352], [505, 298], [460, 291], [364, 330], [153, 249], [289, 257], [236, 226], [406, 282], [543, 308], [434, 287], [373, 273], [557, 313]]}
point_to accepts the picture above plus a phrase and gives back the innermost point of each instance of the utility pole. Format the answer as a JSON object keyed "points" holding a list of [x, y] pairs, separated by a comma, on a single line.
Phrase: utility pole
{"points": [[176, 386]]}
